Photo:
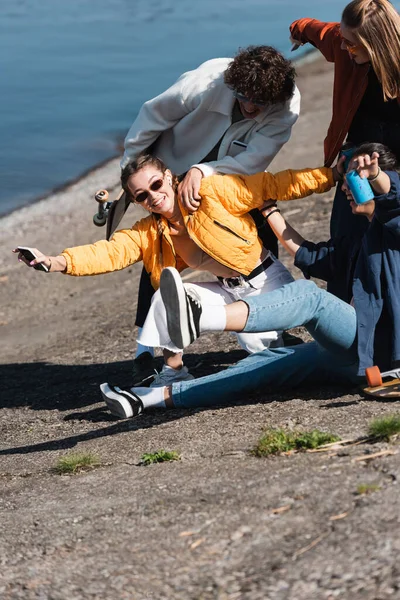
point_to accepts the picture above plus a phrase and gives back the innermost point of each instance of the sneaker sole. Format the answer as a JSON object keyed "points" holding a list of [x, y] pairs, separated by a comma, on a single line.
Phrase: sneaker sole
{"points": [[174, 298], [116, 403]]}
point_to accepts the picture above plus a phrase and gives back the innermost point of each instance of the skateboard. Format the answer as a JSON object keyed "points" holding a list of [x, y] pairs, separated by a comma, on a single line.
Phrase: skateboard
{"points": [[382, 389], [110, 211]]}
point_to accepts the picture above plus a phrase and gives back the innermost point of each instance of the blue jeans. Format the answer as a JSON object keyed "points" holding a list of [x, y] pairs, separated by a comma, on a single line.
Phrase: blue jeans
{"points": [[331, 358]]}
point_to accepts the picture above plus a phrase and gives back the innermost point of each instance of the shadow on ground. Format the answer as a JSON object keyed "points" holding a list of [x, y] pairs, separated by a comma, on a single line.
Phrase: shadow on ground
{"points": [[46, 386]]}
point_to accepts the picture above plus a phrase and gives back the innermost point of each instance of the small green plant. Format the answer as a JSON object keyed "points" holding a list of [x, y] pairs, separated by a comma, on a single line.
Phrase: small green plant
{"points": [[149, 458], [367, 488], [385, 427], [274, 441], [72, 463]]}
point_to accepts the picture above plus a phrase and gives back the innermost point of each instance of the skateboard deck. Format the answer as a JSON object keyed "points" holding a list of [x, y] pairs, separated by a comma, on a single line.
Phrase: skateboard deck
{"points": [[389, 389], [110, 212], [117, 210], [382, 389]]}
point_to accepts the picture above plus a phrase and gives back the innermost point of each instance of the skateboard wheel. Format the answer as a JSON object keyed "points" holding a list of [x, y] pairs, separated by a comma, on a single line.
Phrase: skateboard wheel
{"points": [[101, 196], [99, 221], [374, 377]]}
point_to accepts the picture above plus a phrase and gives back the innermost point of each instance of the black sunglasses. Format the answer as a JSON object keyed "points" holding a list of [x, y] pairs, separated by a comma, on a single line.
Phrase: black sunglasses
{"points": [[243, 98], [154, 187]]}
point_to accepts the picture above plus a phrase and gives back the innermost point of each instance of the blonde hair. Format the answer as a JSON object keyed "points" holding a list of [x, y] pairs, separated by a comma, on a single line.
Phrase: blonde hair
{"points": [[377, 27]]}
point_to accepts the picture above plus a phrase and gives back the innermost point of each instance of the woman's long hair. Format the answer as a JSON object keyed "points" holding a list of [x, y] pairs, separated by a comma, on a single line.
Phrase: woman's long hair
{"points": [[376, 24]]}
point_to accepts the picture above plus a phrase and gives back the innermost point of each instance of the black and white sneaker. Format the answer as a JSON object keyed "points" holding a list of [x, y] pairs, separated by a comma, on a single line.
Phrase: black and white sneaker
{"points": [[121, 403], [183, 308]]}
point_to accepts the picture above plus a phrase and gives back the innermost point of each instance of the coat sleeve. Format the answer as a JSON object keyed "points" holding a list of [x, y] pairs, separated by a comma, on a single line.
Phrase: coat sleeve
{"points": [[387, 206], [241, 193], [321, 35], [264, 144], [124, 249], [317, 260], [155, 116]]}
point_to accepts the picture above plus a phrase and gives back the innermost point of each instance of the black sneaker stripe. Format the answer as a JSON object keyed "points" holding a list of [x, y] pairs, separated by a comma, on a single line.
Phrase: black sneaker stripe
{"points": [[132, 398], [196, 311], [189, 318]]}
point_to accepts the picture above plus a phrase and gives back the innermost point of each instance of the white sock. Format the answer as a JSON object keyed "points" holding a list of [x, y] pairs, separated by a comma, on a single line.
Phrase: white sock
{"points": [[213, 317], [140, 348], [151, 397]]}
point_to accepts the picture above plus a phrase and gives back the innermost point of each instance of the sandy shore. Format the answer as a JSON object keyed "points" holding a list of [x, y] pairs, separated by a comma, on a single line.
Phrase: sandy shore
{"points": [[219, 524]]}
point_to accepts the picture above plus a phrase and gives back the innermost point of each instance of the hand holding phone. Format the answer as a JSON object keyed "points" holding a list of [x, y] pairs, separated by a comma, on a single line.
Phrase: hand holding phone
{"points": [[29, 254]]}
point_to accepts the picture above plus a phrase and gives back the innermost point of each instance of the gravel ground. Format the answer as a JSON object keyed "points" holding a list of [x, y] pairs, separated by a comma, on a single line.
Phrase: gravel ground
{"points": [[218, 524]]}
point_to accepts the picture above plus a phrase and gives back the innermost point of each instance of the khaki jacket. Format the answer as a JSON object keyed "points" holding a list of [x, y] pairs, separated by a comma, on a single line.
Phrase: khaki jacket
{"points": [[221, 226]]}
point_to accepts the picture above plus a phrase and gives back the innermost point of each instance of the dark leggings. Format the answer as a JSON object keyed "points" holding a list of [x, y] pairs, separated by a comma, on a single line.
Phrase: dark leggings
{"points": [[146, 290]]}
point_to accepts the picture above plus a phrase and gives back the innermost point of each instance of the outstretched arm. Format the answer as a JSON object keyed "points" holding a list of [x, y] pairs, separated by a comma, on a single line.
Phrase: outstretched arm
{"points": [[290, 239], [324, 36], [54, 264], [124, 249], [314, 260], [241, 193]]}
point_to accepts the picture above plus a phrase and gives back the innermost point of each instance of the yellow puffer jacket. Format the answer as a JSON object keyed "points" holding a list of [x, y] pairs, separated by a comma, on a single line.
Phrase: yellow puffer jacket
{"points": [[221, 226]]}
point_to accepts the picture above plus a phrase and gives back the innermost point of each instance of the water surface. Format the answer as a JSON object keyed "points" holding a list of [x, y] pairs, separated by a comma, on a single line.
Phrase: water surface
{"points": [[74, 74]]}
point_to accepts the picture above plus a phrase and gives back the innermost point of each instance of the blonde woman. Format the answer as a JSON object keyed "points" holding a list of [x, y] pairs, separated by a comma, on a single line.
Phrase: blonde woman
{"points": [[220, 237], [365, 48]]}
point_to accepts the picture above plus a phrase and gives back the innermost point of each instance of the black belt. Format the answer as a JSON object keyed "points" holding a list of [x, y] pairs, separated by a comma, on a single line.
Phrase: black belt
{"points": [[236, 281]]}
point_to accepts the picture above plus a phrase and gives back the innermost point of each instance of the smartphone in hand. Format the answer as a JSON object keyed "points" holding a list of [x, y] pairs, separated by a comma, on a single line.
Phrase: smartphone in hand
{"points": [[30, 255]]}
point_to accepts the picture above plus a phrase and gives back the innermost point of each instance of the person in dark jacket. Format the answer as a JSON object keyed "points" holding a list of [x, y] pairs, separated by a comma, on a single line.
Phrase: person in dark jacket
{"points": [[349, 336], [370, 266]]}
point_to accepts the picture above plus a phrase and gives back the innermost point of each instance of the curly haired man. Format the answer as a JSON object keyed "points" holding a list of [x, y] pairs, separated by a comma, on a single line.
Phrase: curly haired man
{"points": [[226, 116]]}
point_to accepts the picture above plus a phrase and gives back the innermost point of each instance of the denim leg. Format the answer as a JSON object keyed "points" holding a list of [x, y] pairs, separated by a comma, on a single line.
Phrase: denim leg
{"points": [[330, 321], [265, 371]]}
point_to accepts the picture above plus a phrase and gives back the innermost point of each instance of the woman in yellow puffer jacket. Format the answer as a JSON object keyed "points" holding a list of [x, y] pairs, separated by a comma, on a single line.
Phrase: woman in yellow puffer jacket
{"points": [[220, 238]]}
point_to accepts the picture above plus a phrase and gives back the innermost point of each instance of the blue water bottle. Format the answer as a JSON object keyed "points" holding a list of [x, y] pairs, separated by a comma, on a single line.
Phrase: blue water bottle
{"points": [[360, 188], [347, 151]]}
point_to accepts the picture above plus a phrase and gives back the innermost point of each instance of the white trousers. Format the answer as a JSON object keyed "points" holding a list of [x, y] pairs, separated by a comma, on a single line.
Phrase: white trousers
{"points": [[155, 332]]}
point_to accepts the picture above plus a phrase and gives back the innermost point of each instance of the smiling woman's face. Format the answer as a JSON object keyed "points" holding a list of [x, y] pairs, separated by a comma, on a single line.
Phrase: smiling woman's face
{"points": [[153, 189], [350, 42]]}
